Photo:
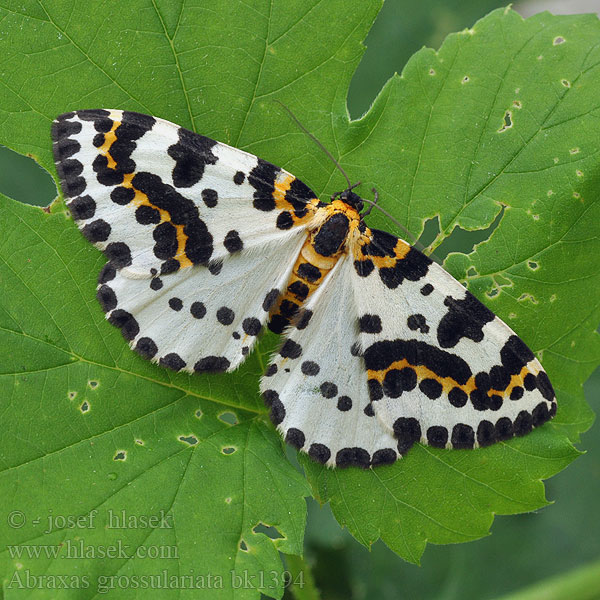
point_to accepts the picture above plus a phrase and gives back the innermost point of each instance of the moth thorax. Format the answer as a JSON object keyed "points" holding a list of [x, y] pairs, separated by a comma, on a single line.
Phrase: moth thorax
{"points": [[330, 238]]}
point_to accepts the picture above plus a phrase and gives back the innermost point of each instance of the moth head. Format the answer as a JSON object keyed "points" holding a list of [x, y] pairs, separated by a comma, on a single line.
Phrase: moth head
{"points": [[352, 199]]}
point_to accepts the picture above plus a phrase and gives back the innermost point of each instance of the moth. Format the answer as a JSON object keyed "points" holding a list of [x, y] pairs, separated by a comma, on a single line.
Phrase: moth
{"points": [[207, 245]]}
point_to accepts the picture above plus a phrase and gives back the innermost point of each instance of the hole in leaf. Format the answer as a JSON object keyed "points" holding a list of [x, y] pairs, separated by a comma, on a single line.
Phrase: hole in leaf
{"points": [[566, 83], [574, 151], [558, 40], [120, 455], [465, 79], [576, 195], [579, 173], [268, 530], [93, 384], [85, 406], [492, 293], [190, 440], [526, 296], [508, 123], [229, 417], [72, 395], [471, 271], [533, 265], [139, 442], [228, 450], [463, 241], [431, 230], [228, 500], [432, 72], [24, 180], [517, 104], [243, 546], [198, 414]]}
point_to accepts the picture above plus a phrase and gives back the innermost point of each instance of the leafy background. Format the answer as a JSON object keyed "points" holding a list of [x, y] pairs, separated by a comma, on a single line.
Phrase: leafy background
{"points": [[528, 547]]}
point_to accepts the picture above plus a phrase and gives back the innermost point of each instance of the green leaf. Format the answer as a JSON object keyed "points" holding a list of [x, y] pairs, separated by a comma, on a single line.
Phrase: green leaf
{"points": [[89, 426]]}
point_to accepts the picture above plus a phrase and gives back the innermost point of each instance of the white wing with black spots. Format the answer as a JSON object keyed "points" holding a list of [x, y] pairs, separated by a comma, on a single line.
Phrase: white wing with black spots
{"points": [[199, 319], [156, 197], [443, 370], [316, 385]]}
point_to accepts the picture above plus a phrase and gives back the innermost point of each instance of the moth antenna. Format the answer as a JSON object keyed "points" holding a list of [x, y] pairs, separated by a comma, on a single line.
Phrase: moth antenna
{"points": [[387, 214], [294, 118], [315, 140]]}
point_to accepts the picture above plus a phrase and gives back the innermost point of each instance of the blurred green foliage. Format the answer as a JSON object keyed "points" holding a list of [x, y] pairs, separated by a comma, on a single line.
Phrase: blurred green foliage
{"points": [[522, 549]]}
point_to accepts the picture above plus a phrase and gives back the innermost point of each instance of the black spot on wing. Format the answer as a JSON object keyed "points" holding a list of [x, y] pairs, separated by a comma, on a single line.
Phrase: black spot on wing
{"points": [[182, 211], [172, 361], [463, 436], [304, 319], [210, 197], [122, 195], [417, 322], [108, 273], [369, 324], [515, 355], [412, 267], [465, 318], [146, 347], [364, 267], [262, 179], [96, 231], [233, 242], [357, 457], [295, 437], [298, 195], [198, 310], [381, 244], [284, 220], [382, 354], [385, 456], [319, 453], [191, 154], [212, 364], [397, 381], [290, 349], [126, 322], [62, 129], [118, 254], [107, 298], [82, 208], [132, 127], [251, 326], [407, 431]]}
